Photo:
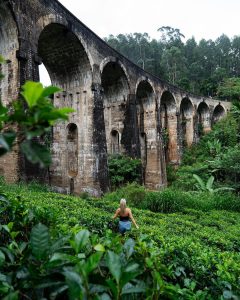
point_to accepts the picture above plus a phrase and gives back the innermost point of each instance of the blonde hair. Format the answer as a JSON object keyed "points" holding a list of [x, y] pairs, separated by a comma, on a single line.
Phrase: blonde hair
{"points": [[123, 205]]}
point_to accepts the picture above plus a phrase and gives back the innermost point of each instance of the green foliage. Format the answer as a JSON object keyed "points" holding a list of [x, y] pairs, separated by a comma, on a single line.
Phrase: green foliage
{"points": [[171, 173], [188, 255], [33, 116], [208, 186], [217, 153], [123, 169], [166, 201], [229, 89], [210, 68]]}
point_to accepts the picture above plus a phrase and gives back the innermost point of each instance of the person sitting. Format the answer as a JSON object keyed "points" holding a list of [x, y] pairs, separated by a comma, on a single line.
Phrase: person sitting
{"points": [[125, 215]]}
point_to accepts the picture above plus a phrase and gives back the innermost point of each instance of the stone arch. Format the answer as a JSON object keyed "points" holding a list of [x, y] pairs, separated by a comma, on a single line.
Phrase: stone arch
{"points": [[112, 59], [9, 46], [218, 113], [169, 125], [72, 150], [144, 79], [203, 118], [65, 58], [186, 122], [146, 119], [115, 94], [115, 141], [47, 20], [146, 104]]}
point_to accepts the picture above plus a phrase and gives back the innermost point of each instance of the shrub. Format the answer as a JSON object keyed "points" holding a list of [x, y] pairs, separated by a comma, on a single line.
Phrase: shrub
{"points": [[124, 169], [206, 201], [166, 201], [133, 193]]}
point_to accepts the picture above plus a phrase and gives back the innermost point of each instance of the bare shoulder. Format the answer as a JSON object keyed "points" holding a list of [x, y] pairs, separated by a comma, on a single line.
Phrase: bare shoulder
{"points": [[128, 210]]}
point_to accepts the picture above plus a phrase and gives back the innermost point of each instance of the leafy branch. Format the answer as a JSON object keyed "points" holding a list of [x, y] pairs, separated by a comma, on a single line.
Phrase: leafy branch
{"points": [[28, 119]]}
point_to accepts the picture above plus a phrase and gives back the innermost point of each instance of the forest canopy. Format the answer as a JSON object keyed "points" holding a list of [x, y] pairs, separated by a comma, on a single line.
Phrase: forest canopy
{"points": [[209, 68]]}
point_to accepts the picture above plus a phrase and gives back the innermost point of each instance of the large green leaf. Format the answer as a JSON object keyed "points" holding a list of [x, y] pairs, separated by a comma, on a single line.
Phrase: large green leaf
{"points": [[129, 247], [209, 183], [36, 153], [32, 92], [6, 142], [75, 286], [114, 264], [50, 90], [92, 262], [2, 258], [40, 241], [80, 240], [200, 182]]}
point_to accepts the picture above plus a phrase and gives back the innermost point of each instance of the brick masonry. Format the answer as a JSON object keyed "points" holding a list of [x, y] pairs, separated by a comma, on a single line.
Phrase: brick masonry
{"points": [[118, 106]]}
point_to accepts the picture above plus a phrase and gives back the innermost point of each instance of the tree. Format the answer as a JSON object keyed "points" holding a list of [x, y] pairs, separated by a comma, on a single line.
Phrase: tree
{"points": [[230, 89], [171, 36]]}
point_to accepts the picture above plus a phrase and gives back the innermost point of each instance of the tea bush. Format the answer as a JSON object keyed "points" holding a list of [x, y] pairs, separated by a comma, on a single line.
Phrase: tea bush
{"points": [[190, 254]]}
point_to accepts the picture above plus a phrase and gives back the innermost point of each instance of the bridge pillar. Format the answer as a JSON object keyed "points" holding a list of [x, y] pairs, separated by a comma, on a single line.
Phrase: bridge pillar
{"points": [[99, 139], [28, 70], [130, 134]]}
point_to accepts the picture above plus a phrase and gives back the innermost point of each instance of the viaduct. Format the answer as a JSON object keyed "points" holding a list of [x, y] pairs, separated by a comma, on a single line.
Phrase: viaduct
{"points": [[119, 108]]}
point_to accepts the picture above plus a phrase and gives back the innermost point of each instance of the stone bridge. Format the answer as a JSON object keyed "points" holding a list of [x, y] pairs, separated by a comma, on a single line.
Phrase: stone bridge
{"points": [[119, 108]]}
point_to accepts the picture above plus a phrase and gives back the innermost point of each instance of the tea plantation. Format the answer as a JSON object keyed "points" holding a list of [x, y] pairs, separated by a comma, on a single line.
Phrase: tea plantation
{"points": [[187, 254]]}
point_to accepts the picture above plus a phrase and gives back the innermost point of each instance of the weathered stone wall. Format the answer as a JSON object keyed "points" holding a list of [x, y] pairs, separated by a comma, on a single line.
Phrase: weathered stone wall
{"points": [[118, 106]]}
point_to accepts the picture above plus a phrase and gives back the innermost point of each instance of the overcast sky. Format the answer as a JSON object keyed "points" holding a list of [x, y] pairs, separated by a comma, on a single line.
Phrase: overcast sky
{"points": [[200, 18]]}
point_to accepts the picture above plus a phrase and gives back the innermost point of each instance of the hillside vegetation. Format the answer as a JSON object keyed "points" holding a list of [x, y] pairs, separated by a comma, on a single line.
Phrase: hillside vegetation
{"points": [[208, 67], [190, 253]]}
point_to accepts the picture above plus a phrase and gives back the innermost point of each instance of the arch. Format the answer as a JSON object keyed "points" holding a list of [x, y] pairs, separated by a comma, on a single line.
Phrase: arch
{"points": [[146, 106], [115, 93], [64, 57], [115, 142], [169, 125], [49, 19], [114, 82], [8, 48], [186, 122], [72, 150], [112, 59], [144, 79], [218, 113], [146, 116], [145, 93], [203, 118]]}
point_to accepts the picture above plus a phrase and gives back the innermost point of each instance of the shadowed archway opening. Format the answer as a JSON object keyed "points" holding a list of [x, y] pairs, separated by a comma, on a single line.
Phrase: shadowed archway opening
{"points": [[69, 68], [72, 150], [203, 119], [146, 105], [115, 143], [168, 116], [218, 114], [64, 57], [115, 93], [186, 122]]}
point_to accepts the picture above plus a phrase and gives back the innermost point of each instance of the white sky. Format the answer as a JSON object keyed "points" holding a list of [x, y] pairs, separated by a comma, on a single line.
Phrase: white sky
{"points": [[199, 18]]}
